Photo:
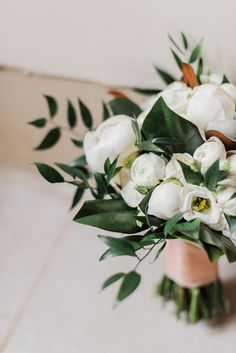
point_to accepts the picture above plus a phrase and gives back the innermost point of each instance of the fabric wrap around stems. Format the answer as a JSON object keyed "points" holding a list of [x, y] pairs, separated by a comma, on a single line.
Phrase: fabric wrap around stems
{"points": [[188, 265]]}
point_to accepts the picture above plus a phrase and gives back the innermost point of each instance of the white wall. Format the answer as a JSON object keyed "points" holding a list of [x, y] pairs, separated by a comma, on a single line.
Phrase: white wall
{"points": [[113, 41]]}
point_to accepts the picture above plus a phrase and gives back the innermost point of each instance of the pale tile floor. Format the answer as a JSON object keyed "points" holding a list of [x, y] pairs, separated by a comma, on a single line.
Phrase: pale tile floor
{"points": [[50, 277]]}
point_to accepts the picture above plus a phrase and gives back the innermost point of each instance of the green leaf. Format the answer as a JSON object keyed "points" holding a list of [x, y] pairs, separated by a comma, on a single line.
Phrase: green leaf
{"points": [[150, 147], [112, 279], [147, 91], [166, 77], [119, 245], [137, 131], [163, 122], [50, 139], [112, 215], [185, 41], [212, 176], [200, 68], [101, 185], [190, 229], [191, 176], [171, 223], [225, 79], [78, 162], [86, 115], [231, 220], [110, 169], [71, 115], [159, 251], [109, 253], [106, 113], [177, 59], [39, 123], [73, 171], [49, 173], [77, 197], [77, 143], [124, 106], [195, 53], [52, 105], [213, 252], [130, 282], [175, 44]]}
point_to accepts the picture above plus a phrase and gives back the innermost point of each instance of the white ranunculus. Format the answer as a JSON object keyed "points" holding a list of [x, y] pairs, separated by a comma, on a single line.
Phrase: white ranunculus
{"points": [[209, 103], [130, 194], [209, 152], [215, 79], [114, 137], [227, 127], [174, 169], [230, 89], [165, 200], [148, 169], [232, 164], [199, 202], [226, 199], [176, 95]]}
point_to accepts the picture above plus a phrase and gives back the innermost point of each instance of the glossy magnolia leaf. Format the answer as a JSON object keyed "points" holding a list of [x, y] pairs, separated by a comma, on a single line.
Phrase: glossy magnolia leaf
{"points": [[218, 240], [166, 77], [86, 115], [171, 223], [77, 143], [130, 282], [195, 53], [78, 162], [124, 106], [106, 113], [184, 40], [49, 173], [112, 279], [39, 123], [191, 176], [77, 197], [212, 176], [71, 115], [112, 215], [119, 245], [177, 59], [175, 44], [52, 105], [163, 122], [225, 79], [147, 91], [50, 139]]}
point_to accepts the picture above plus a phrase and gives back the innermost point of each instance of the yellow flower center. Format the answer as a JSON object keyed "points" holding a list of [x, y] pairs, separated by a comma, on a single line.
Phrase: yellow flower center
{"points": [[200, 204]]}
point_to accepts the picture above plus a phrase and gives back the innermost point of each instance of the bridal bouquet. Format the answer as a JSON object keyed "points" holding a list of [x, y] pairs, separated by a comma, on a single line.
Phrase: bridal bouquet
{"points": [[163, 176]]}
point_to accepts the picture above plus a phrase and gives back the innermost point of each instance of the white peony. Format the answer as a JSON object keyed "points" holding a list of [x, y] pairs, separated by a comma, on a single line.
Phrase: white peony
{"points": [[174, 169], [209, 152], [199, 202], [148, 169], [114, 137], [215, 79], [230, 89], [130, 194], [226, 199], [165, 200], [176, 95], [209, 103]]}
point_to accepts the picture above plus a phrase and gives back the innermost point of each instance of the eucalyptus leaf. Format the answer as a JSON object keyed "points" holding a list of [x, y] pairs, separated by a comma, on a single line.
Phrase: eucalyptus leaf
{"points": [[39, 123], [52, 105], [114, 278], [86, 115], [49, 173], [71, 115], [124, 106], [50, 139], [166, 77], [130, 282]]}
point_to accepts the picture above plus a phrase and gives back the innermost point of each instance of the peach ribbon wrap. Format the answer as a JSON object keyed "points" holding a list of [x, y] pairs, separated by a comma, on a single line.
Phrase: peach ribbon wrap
{"points": [[188, 265]]}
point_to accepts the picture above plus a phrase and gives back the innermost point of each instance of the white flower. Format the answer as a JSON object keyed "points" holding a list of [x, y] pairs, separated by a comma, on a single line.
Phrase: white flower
{"points": [[209, 152], [215, 79], [199, 202], [130, 194], [227, 127], [165, 199], [230, 89], [148, 169], [174, 169], [114, 137], [232, 164], [176, 96], [226, 199], [209, 103]]}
